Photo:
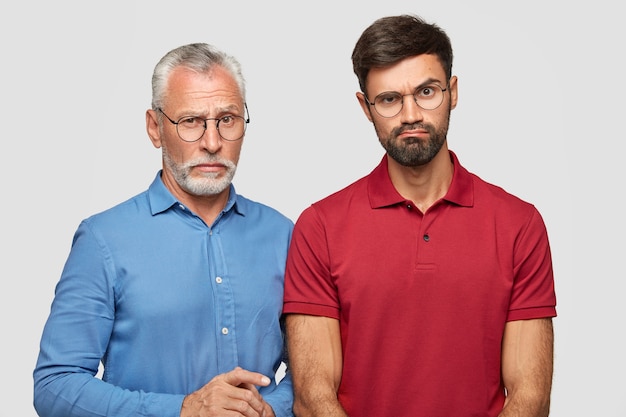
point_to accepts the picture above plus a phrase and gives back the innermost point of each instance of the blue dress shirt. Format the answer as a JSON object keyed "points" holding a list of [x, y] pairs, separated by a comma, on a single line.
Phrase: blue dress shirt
{"points": [[166, 302]]}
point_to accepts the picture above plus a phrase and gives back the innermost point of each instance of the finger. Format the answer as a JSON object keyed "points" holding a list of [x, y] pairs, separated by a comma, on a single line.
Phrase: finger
{"points": [[221, 395], [247, 402], [250, 387], [239, 376]]}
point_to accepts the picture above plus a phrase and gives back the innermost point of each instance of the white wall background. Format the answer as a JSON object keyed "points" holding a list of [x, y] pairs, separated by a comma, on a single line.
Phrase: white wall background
{"points": [[541, 86]]}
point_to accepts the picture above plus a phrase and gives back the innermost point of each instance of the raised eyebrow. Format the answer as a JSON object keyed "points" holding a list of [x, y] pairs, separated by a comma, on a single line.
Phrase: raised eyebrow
{"points": [[428, 82]]}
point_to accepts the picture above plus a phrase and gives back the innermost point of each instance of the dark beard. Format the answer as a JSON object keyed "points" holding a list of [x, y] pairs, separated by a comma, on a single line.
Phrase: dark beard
{"points": [[414, 152]]}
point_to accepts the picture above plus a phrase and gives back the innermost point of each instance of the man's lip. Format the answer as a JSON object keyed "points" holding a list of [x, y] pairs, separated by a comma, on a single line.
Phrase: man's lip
{"points": [[413, 132], [210, 167]]}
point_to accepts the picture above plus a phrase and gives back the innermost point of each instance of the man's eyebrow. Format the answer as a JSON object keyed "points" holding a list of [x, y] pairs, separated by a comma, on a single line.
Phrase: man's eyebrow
{"points": [[229, 109], [427, 82]]}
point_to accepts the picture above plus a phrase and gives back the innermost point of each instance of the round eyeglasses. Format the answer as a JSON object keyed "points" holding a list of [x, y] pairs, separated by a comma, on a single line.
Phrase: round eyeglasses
{"points": [[390, 103], [192, 128]]}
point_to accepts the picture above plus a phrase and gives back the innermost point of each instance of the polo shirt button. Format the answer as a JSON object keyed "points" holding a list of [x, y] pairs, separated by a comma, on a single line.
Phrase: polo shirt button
{"points": [[224, 330], [218, 280], [409, 206], [426, 237]]}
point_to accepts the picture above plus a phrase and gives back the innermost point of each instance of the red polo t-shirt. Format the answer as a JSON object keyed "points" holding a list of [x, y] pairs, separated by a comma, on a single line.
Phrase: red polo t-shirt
{"points": [[422, 298]]}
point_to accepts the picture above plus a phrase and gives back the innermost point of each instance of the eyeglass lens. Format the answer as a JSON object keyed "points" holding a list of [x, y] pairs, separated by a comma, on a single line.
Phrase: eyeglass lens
{"points": [[191, 129], [390, 103]]}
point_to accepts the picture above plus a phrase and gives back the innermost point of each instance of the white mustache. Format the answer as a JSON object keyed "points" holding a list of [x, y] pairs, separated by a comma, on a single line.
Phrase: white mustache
{"points": [[209, 160]]}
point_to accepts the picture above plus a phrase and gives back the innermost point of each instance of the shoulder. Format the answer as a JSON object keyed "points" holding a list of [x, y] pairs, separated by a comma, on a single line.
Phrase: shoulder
{"points": [[511, 214], [355, 192], [133, 206], [469, 189], [337, 209], [125, 216], [496, 196], [259, 211]]}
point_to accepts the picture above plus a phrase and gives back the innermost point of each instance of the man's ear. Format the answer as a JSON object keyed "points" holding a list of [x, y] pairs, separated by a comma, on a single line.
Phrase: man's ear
{"points": [[364, 105], [454, 91], [152, 127]]}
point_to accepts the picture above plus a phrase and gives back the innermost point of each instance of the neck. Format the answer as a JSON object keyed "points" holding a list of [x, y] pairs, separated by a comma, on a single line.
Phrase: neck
{"points": [[206, 207], [426, 184]]}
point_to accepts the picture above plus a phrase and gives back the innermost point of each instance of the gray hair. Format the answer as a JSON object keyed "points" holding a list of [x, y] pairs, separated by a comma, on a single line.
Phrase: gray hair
{"points": [[200, 57]]}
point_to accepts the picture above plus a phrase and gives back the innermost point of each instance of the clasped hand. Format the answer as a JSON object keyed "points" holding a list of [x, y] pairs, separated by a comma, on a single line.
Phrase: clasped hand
{"points": [[230, 394]]}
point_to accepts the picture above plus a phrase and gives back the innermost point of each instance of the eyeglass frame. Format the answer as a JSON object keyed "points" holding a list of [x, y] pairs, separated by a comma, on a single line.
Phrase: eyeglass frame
{"points": [[217, 124], [373, 104]]}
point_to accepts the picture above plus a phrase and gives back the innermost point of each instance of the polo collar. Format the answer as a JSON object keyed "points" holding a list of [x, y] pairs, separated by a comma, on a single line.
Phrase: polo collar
{"points": [[382, 193]]}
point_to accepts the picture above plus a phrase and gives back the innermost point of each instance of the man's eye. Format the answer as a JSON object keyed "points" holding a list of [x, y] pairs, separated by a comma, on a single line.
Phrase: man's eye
{"points": [[387, 99], [426, 92], [191, 121], [227, 120]]}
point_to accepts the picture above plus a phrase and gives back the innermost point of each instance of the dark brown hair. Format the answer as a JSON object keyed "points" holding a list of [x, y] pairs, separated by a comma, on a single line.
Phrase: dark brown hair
{"points": [[391, 39]]}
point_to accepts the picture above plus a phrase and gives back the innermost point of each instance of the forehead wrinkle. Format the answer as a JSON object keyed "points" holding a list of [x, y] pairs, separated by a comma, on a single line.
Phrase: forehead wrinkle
{"points": [[203, 103], [202, 93]]}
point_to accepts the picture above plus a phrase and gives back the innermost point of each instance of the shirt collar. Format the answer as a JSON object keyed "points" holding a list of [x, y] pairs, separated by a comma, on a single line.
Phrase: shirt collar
{"points": [[382, 193], [161, 199]]}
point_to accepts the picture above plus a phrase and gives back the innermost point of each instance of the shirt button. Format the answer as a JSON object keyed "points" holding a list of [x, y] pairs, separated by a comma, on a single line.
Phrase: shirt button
{"points": [[224, 330], [218, 280], [426, 237], [409, 206]]}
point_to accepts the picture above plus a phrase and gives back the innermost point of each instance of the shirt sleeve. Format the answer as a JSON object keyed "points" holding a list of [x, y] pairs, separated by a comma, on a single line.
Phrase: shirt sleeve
{"points": [[75, 338], [281, 399], [309, 288], [533, 293]]}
